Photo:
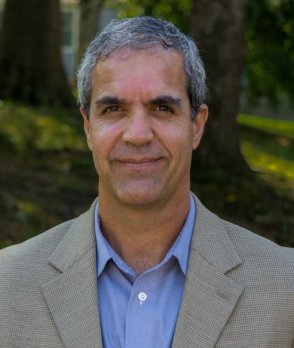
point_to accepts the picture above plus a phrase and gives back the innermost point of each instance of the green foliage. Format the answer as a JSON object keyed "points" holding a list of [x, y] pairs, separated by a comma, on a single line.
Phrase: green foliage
{"points": [[269, 35], [24, 128], [271, 150], [262, 161], [47, 175], [268, 159], [270, 49], [176, 11], [273, 126]]}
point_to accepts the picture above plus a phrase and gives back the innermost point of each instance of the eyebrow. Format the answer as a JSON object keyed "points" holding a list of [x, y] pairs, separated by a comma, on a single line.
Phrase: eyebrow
{"points": [[165, 100], [109, 100], [160, 100]]}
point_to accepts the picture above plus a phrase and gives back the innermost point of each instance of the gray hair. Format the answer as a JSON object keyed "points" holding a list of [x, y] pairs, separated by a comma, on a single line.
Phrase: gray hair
{"points": [[139, 33]]}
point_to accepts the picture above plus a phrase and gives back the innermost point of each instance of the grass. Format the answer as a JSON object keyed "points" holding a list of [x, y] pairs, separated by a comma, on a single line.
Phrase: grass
{"points": [[46, 170], [47, 175], [39, 129], [264, 161], [272, 126], [268, 147]]}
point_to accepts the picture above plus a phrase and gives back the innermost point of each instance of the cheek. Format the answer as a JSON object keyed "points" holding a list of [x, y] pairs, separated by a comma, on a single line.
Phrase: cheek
{"points": [[104, 137], [177, 138]]}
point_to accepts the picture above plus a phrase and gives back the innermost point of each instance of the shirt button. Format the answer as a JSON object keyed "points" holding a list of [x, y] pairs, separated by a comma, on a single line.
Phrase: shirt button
{"points": [[142, 296]]}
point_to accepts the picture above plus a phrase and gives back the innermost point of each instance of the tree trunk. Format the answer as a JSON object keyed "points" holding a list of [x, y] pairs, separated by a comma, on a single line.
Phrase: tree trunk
{"points": [[219, 30], [31, 68], [89, 24]]}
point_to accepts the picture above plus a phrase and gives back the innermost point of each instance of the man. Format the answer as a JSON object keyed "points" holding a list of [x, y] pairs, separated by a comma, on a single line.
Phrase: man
{"points": [[147, 265]]}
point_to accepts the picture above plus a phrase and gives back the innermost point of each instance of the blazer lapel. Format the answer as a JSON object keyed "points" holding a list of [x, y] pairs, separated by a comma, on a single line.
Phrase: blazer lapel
{"points": [[72, 295], [208, 301], [209, 296]]}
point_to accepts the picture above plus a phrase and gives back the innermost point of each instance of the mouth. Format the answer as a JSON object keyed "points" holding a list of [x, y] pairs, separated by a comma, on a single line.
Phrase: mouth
{"points": [[142, 163], [138, 161]]}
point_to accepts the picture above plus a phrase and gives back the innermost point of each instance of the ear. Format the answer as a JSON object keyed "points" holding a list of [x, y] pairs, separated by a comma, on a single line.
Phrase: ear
{"points": [[199, 125], [87, 128]]}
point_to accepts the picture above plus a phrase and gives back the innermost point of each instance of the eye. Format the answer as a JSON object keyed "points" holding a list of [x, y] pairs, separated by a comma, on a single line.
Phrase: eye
{"points": [[164, 108], [112, 108]]}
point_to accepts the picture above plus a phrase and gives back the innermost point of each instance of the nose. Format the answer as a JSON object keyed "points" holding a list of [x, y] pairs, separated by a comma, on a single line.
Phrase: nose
{"points": [[138, 131]]}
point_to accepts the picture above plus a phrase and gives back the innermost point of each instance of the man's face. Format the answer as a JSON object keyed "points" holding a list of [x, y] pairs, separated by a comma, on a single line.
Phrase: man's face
{"points": [[140, 129]]}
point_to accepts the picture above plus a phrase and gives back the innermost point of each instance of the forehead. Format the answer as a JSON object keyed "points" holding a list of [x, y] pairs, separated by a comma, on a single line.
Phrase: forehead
{"points": [[148, 68]]}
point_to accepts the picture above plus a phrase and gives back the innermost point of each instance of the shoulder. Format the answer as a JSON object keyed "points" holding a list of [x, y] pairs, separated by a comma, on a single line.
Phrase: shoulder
{"points": [[251, 245], [31, 259], [258, 257], [262, 271], [262, 261], [25, 267], [32, 253], [43, 245], [247, 244]]}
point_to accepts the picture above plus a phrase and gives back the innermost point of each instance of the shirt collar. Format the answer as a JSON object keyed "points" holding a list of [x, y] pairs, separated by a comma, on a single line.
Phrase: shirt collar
{"points": [[103, 254], [180, 248]]}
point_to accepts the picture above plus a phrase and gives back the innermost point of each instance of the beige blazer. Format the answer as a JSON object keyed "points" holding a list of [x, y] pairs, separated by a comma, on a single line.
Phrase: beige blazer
{"points": [[239, 289]]}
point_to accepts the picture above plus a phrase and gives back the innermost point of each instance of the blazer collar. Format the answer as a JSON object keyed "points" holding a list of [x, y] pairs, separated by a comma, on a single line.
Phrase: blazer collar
{"points": [[72, 295], [210, 296], [211, 240]]}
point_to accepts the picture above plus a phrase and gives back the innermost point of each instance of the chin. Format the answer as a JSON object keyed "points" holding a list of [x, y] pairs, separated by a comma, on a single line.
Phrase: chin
{"points": [[139, 198]]}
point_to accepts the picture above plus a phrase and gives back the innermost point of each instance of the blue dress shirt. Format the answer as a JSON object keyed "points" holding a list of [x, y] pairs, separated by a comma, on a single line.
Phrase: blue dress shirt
{"points": [[141, 311]]}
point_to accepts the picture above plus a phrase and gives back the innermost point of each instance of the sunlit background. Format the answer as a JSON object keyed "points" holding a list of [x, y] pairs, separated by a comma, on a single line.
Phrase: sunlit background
{"points": [[244, 170]]}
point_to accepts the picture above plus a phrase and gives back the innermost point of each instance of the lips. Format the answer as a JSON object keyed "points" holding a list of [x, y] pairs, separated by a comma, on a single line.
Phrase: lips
{"points": [[138, 163]]}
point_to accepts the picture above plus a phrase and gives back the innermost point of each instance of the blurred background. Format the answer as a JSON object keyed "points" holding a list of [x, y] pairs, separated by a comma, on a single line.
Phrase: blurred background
{"points": [[244, 168]]}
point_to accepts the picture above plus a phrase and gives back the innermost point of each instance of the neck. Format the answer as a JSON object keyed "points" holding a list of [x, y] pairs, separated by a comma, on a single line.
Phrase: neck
{"points": [[142, 236]]}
